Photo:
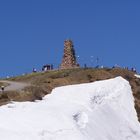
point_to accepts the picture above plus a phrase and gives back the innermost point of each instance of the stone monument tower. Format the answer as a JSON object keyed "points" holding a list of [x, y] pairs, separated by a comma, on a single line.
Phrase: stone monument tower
{"points": [[69, 58]]}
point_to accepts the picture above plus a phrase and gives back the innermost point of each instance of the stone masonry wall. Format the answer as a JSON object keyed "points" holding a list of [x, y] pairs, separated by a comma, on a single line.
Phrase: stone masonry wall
{"points": [[69, 58]]}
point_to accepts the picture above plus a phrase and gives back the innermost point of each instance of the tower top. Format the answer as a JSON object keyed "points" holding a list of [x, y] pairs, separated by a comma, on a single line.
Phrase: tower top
{"points": [[68, 42]]}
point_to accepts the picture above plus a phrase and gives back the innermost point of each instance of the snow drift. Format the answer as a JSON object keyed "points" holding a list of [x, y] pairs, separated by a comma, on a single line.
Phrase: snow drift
{"points": [[95, 111], [137, 75]]}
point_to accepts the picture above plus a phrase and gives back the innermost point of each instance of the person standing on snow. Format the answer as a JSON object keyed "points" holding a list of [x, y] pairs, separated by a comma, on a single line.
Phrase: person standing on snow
{"points": [[2, 88]]}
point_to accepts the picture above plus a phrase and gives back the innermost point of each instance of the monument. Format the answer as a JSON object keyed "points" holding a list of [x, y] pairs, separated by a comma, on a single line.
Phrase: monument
{"points": [[69, 57]]}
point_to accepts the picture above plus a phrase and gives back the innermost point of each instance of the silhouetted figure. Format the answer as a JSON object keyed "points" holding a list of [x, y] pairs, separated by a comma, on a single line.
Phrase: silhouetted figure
{"points": [[51, 67], [34, 70], [126, 68], [97, 67], [2, 88], [133, 70], [85, 66]]}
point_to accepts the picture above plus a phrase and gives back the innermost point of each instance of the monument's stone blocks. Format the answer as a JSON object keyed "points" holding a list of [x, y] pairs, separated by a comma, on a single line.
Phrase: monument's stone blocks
{"points": [[69, 57]]}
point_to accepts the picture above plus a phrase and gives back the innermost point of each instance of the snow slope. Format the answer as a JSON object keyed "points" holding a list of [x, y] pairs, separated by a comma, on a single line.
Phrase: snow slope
{"points": [[138, 76], [96, 111]]}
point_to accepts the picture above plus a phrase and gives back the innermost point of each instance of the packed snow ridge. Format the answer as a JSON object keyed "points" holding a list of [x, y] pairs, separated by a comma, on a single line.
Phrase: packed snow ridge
{"points": [[102, 110], [136, 75]]}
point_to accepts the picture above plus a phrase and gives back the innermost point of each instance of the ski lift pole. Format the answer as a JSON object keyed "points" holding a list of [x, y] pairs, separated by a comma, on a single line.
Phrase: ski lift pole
{"points": [[91, 57]]}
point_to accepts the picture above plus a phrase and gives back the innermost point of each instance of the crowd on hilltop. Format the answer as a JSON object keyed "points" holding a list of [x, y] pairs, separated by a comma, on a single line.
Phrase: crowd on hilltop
{"points": [[127, 68], [50, 67]]}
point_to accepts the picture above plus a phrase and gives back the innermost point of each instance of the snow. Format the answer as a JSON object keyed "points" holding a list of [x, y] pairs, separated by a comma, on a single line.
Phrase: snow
{"points": [[136, 75], [102, 110]]}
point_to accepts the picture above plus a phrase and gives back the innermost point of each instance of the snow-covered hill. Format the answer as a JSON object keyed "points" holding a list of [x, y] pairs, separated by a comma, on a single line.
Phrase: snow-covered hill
{"points": [[96, 111]]}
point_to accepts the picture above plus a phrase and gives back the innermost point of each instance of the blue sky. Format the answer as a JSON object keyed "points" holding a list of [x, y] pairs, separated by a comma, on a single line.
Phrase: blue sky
{"points": [[32, 33]]}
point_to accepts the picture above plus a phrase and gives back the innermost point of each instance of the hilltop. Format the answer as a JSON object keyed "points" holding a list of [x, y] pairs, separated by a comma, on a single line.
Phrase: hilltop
{"points": [[42, 83]]}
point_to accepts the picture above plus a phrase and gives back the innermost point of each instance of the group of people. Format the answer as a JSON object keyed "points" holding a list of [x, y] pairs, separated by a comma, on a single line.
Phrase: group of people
{"points": [[132, 69], [46, 67]]}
